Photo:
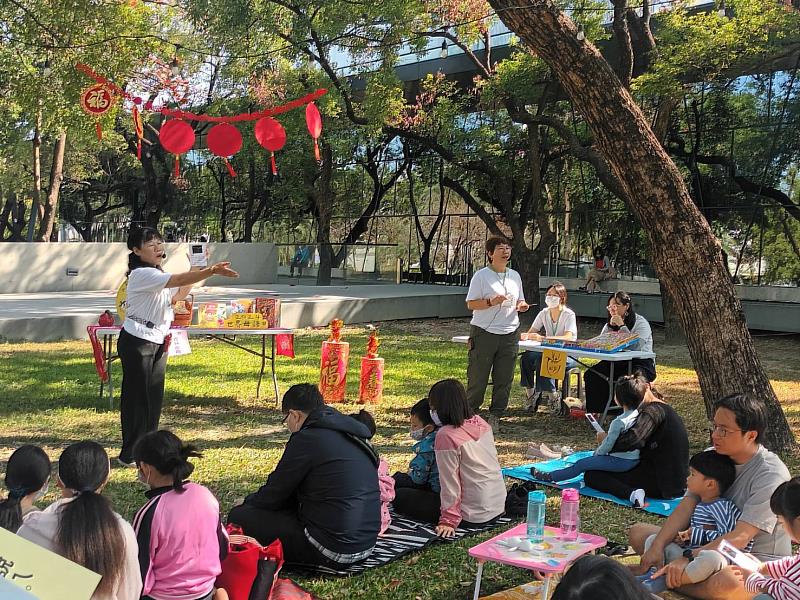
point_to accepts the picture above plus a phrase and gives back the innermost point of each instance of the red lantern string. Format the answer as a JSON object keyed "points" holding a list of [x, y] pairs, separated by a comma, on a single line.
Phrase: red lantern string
{"points": [[296, 103], [98, 130], [180, 114]]}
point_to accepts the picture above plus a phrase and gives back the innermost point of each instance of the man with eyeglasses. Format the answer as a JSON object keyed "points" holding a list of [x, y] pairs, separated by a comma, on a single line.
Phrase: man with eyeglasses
{"points": [[322, 500], [736, 431]]}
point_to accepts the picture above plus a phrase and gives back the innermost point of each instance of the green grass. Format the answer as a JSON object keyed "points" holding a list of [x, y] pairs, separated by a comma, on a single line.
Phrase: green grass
{"points": [[50, 397]]}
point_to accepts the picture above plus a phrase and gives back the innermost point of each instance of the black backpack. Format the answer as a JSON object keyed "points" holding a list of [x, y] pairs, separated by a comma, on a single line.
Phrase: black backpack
{"points": [[517, 499]]}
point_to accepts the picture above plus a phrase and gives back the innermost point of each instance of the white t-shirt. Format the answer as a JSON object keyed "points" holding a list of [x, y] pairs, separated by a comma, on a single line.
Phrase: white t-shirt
{"points": [[149, 300], [503, 318], [566, 322]]}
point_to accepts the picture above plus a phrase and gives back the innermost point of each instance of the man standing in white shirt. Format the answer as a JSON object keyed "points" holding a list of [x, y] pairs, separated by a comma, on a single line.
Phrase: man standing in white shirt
{"points": [[495, 298]]}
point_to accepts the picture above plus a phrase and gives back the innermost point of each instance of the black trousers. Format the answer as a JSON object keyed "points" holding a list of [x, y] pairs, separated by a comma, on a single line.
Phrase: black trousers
{"points": [[622, 485], [144, 367], [270, 525], [416, 501], [597, 387]]}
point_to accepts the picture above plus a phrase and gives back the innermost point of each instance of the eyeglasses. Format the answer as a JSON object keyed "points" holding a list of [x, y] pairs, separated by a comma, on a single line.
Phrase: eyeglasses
{"points": [[283, 420], [720, 430]]}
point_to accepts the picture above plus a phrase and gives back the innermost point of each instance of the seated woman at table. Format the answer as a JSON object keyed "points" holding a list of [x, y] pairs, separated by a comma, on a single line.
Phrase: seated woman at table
{"points": [[663, 443], [557, 321], [629, 392], [621, 317], [151, 294]]}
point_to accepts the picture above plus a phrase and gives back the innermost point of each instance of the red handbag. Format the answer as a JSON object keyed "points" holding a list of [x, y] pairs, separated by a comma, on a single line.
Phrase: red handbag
{"points": [[250, 570]]}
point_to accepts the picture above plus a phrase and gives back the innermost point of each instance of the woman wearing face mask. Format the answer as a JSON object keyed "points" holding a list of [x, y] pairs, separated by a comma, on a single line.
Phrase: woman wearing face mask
{"points": [[417, 492], [472, 488], [555, 322], [621, 317], [27, 479], [83, 528], [179, 530], [141, 349]]}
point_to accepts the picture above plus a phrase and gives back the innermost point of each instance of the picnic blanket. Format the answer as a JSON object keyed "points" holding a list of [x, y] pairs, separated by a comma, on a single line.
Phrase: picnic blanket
{"points": [[404, 536], [523, 472]]}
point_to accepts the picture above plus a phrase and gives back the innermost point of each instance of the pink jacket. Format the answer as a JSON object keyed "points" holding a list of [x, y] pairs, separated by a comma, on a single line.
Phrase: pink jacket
{"points": [[469, 472], [386, 485], [181, 541]]}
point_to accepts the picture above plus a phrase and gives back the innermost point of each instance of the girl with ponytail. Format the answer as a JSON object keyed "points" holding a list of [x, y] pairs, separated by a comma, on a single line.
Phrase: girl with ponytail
{"points": [[150, 295], [27, 478], [179, 530], [83, 528]]}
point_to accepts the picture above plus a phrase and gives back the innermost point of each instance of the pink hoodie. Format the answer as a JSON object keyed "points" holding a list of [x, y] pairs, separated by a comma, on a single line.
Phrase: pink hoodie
{"points": [[472, 484], [386, 485]]}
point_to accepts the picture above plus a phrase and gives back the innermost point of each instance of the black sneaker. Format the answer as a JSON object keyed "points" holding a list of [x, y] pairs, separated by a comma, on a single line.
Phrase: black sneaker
{"points": [[125, 463]]}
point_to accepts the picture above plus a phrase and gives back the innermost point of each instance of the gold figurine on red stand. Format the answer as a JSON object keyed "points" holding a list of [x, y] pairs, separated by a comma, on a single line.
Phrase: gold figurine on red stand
{"points": [[370, 389], [333, 366]]}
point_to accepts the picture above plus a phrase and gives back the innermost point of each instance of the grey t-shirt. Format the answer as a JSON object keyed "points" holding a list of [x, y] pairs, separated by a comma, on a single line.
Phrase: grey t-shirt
{"points": [[755, 481]]}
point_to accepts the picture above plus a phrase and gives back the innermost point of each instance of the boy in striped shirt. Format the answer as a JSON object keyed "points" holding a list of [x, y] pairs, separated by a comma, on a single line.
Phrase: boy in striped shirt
{"points": [[710, 475]]}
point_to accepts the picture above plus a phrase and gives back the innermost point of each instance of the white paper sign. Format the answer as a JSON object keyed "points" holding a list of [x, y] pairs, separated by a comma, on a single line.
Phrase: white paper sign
{"points": [[179, 344]]}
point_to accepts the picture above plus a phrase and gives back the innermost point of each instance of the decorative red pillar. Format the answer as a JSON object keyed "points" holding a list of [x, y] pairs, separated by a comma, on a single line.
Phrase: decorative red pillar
{"points": [[370, 389], [333, 366]]}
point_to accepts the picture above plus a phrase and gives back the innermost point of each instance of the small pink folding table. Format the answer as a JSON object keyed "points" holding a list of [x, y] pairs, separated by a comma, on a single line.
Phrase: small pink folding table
{"points": [[553, 556]]}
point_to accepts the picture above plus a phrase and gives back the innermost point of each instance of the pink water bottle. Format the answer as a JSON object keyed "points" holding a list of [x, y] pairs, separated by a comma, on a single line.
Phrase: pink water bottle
{"points": [[570, 514]]}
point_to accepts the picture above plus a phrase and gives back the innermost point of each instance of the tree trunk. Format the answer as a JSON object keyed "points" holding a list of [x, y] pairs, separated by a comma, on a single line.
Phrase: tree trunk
{"points": [[686, 254], [249, 217], [323, 209], [36, 192], [56, 177]]}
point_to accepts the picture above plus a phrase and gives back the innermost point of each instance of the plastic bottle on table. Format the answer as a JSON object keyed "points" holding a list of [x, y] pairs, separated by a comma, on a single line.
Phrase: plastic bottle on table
{"points": [[570, 514], [536, 510]]}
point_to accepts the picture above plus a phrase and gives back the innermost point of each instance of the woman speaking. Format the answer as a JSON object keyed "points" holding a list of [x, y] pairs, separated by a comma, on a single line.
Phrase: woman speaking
{"points": [[151, 294]]}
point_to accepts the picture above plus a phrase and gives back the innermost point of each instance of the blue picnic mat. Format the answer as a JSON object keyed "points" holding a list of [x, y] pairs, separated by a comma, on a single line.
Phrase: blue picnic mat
{"points": [[523, 472]]}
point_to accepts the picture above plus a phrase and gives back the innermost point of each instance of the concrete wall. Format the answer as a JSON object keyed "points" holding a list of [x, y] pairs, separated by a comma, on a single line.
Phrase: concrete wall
{"points": [[35, 267]]}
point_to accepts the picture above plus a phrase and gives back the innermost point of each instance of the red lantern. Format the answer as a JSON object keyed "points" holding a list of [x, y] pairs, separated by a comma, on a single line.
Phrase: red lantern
{"points": [[177, 137], [272, 136], [314, 123], [225, 140]]}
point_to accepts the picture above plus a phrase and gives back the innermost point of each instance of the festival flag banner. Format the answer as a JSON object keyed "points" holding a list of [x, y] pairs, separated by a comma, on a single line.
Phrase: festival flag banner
{"points": [[42, 573]]}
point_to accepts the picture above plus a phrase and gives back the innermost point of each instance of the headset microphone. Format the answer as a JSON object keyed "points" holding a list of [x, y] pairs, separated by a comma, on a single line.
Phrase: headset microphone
{"points": [[164, 255]]}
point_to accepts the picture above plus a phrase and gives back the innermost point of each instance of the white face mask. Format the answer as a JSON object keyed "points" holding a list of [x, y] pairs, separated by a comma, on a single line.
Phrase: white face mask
{"points": [[435, 419], [144, 480], [552, 301], [417, 434]]}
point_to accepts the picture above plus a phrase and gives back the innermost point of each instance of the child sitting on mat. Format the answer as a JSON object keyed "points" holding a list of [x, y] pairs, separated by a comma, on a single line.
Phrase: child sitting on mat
{"points": [[385, 482], [710, 476], [628, 397], [779, 579], [422, 470], [417, 492]]}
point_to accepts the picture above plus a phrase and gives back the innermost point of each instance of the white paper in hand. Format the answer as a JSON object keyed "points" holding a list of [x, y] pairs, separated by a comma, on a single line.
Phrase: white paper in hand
{"points": [[736, 556], [593, 422], [197, 255]]}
